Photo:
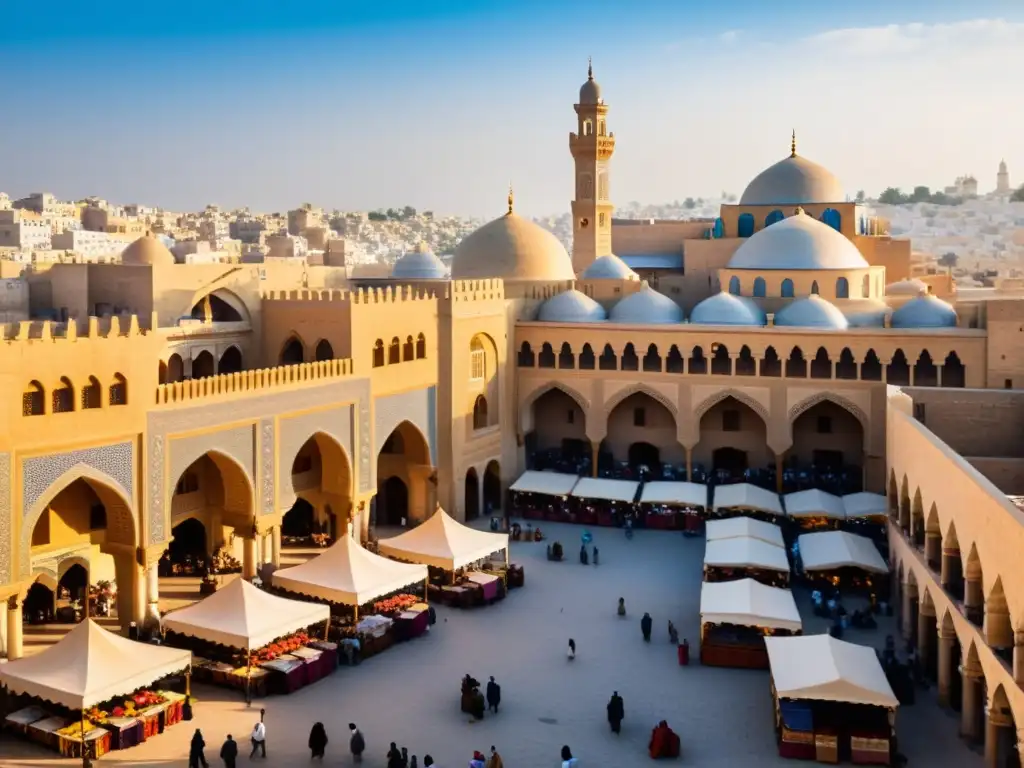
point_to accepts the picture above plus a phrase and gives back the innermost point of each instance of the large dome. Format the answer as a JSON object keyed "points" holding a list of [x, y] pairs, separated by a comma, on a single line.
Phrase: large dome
{"points": [[812, 312], [793, 181], [646, 307], [571, 307], [726, 309], [512, 248], [798, 242], [421, 264], [148, 250], [609, 267], [924, 312]]}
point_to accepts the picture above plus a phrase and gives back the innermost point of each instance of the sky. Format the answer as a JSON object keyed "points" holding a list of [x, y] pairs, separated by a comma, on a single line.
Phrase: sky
{"points": [[439, 105]]}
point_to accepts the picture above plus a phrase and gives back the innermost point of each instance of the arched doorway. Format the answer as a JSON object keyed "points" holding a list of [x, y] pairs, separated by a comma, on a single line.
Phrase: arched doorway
{"points": [[557, 434], [828, 440], [72, 591], [404, 472], [322, 481], [40, 603], [1001, 735], [298, 522], [392, 502], [644, 456], [492, 489], [203, 366], [175, 368], [292, 353], [188, 551], [230, 361], [642, 432], [472, 495], [733, 438]]}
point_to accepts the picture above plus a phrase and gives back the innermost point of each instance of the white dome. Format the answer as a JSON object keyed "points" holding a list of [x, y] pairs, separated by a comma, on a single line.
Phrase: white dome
{"points": [[421, 264], [726, 309], [609, 267], [512, 248], [924, 312], [798, 242], [909, 287], [793, 181], [646, 307], [812, 312], [865, 313], [571, 307]]}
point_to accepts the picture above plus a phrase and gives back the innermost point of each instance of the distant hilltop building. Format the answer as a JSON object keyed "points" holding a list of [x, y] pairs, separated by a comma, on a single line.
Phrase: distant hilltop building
{"points": [[964, 187], [1003, 179]]}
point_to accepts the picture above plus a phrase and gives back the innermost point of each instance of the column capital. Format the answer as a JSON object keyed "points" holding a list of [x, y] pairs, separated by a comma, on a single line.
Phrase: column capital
{"points": [[971, 671], [998, 717], [948, 635]]}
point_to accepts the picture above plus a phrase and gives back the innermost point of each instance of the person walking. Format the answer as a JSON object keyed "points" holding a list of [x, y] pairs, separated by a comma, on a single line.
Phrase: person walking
{"points": [[495, 761], [478, 760], [229, 752], [645, 627], [428, 761], [673, 633], [595, 555], [196, 758], [259, 740], [394, 756], [572, 649], [622, 607], [493, 695], [317, 741], [568, 761], [616, 712], [356, 743]]}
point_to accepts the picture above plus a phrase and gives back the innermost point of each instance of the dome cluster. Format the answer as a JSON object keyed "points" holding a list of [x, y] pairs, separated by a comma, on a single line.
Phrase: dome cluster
{"points": [[726, 309], [609, 267], [646, 307], [571, 307], [812, 312], [799, 242]]}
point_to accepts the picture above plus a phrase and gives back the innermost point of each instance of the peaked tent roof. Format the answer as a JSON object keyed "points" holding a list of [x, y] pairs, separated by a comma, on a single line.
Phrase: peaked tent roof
{"points": [[91, 665], [348, 573], [746, 496], [864, 504], [748, 603], [443, 542], [821, 668], [549, 483], [827, 550], [605, 488], [674, 492], [746, 553], [744, 528], [813, 503], [243, 616]]}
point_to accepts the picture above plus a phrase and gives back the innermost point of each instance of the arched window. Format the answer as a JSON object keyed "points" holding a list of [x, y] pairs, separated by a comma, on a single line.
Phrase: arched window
{"points": [[394, 351], [866, 287], [652, 360], [842, 288], [745, 225], [292, 352], [480, 413], [746, 365], [587, 360], [526, 357], [925, 372], [204, 366], [588, 127], [721, 363], [119, 390], [718, 229], [871, 368], [787, 289], [898, 371], [546, 358], [600, 128], [629, 360], [759, 287], [478, 361], [324, 350], [698, 363], [796, 366], [230, 361], [92, 394], [566, 359], [770, 364], [832, 217], [378, 353], [734, 285], [421, 347], [62, 398], [675, 363], [607, 361], [846, 368], [953, 373], [773, 217], [814, 288], [821, 365]]}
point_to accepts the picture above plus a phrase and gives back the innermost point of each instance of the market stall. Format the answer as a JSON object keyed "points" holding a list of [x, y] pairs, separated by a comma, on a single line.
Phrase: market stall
{"points": [[741, 558], [736, 616], [674, 505], [447, 547], [249, 639], [746, 499], [603, 501], [91, 691], [844, 560], [814, 509], [866, 514], [832, 700], [542, 495], [744, 527]]}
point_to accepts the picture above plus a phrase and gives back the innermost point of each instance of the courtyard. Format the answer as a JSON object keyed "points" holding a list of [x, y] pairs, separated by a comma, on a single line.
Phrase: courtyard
{"points": [[410, 694]]}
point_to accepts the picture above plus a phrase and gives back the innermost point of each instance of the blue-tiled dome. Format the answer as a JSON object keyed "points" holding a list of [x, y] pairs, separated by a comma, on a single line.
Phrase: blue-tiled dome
{"points": [[421, 264], [609, 267], [726, 309], [924, 312], [812, 312], [571, 307], [646, 307]]}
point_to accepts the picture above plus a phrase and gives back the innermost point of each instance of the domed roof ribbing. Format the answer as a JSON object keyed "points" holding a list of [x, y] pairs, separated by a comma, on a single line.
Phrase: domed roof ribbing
{"points": [[725, 309], [646, 307], [909, 287], [421, 264], [571, 307], [798, 242], [793, 181], [148, 250], [609, 267], [512, 248], [812, 312], [926, 311], [590, 91]]}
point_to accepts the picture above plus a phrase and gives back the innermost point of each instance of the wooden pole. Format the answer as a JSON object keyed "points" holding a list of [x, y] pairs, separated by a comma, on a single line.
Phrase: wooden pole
{"points": [[357, 613], [327, 628], [248, 676], [188, 683], [85, 756], [426, 590]]}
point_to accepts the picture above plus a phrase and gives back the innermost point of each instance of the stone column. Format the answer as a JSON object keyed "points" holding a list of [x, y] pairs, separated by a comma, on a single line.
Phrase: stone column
{"points": [[950, 557], [275, 546], [945, 662], [932, 547], [248, 557], [152, 595], [15, 649], [925, 628], [689, 464], [997, 725], [938, 375], [971, 702], [595, 449], [1018, 657], [906, 609], [779, 458]]}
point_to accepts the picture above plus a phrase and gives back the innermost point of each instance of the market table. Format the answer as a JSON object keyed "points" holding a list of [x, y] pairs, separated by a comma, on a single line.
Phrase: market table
{"points": [[97, 743], [288, 674], [20, 721], [44, 732], [257, 680], [410, 624], [330, 651], [125, 732], [174, 708], [315, 669], [487, 583], [150, 717]]}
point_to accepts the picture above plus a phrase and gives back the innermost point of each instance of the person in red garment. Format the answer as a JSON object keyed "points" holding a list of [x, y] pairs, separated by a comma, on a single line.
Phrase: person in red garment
{"points": [[664, 742]]}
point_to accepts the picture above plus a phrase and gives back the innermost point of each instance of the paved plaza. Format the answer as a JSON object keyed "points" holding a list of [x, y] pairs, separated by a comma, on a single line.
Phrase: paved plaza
{"points": [[410, 694]]}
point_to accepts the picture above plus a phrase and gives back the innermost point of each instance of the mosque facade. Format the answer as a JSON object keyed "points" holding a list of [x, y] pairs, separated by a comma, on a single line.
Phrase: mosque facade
{"points": [[784, 334]]}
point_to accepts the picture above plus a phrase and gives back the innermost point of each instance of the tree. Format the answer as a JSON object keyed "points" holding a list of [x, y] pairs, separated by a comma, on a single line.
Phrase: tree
{"points": [[860, 196], [689, 203], [1018, 195], [408, 212], [892, 196], [948, 260], [920, 195]]}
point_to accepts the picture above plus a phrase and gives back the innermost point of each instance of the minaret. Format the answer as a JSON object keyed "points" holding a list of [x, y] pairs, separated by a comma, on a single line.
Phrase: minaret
{"points": [[592, 147], [1003, 179]]}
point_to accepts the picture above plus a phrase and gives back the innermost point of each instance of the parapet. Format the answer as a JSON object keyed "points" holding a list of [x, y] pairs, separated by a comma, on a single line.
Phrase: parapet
{"points": [[390, 294], [116, 326], [245, 382], [486, 289]]}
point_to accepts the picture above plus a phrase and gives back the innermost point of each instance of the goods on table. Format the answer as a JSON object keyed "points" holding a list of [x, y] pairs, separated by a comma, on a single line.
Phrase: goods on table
{"points": [[395, 604]]}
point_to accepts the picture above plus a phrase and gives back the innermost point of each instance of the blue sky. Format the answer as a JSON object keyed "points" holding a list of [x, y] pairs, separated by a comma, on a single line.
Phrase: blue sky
{"points": [[439, 105]]}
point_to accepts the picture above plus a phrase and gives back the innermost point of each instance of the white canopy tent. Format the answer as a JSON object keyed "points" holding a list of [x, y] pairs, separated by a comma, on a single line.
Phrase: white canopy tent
{"points": [[548, 483], [243, 616], [828, 550], [814, 503], [745, 553], [865, 504], [678, 493], [349, 574], [606, 489], [745, 527], [748, 603], [747, 496], [444, 542], [90, 665], [821, 668]]}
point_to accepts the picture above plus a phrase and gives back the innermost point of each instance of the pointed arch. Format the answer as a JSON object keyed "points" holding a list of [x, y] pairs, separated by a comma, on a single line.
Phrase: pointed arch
{"points": [[566, 359], [608, 361], [652, 360], [526, 357], [746, 365], [394, 351], [796, 365], [408, 350], [587, 359], [846, 368], [871, 368], [925, 372], [710, 402], [546, 358], [378, 353], [721, 363], [293, 351], [770, 363], [953, 371], [629, 360], [640, 389], [821, 397], [565, 389], [675, 363], [897, 372], [698, 363], [821, 365]]}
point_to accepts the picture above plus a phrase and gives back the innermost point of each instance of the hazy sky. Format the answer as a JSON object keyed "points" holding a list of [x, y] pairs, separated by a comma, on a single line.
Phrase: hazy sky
{"points": [[439, 104]]}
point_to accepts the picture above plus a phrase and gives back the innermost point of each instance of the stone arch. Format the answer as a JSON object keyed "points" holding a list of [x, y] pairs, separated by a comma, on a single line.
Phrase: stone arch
{"points": [[336, 476], [403, 464], [239, 489], [821, 397], [293, 350], [708, 403], [226, 306], [47, 578], [68, 562], [526, 410], [639, 389]]}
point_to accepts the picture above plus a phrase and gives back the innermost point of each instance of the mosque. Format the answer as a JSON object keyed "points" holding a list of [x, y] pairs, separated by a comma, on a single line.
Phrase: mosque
{"points": [[212, 406]]}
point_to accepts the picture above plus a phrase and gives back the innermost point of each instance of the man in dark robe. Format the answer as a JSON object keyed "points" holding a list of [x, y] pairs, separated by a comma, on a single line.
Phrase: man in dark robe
{"points": [[493, 695], [616, 712]]}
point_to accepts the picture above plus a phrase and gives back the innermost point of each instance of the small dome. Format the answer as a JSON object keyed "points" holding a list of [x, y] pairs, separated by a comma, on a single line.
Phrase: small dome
{"points": [[812, 312], [865, 313], [926, 311], [726, 309], [798, 242], [793, 181], [910, 287], [148, 250], [421, 264], [571, 307], [590, 91], [646, 307], [609, 267]]}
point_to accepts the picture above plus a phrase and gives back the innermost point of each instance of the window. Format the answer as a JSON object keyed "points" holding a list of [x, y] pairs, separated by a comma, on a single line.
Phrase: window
{"points": [[32, 402], [477, 361], [408, 350], [97, 517], [814, 287], [570, 416], [378, 354], [919, 412], [730, 421], [824, 425], [91, 394], [639, 417], [787, 289], [842, 288], [119, 390], [734, 285], [421, 347], [1008, 384], [394, 351], [480, 413], [302, 463], [63, 397]]}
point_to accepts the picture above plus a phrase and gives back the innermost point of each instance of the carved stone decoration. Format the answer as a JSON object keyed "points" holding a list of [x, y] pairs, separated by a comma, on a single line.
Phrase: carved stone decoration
{"points": [[40, 472], [365, 454], [157, 489], [6, 566], [267, 465]]}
